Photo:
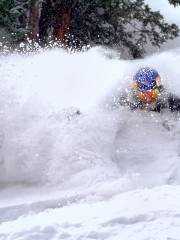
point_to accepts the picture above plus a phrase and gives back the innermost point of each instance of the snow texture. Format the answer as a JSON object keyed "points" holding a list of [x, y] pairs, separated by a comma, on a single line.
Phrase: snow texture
{"points": [[74, 167]]}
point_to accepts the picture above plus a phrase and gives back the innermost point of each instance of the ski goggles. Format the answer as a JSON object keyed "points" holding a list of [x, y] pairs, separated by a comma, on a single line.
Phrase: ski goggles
{"points": [[148, 97]]}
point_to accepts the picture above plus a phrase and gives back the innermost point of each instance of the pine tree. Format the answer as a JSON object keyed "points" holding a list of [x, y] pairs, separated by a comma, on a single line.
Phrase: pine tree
{"points": [[174, 2], [120, 24], [6, 15], [13, 17]]}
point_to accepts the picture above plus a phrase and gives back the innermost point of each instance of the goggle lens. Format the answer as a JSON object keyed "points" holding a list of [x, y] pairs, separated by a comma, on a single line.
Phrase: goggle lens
{"points": [[148, 96]]}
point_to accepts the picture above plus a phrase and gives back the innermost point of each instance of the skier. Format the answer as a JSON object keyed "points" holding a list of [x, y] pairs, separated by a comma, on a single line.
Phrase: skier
{"points": [[148, 93]]}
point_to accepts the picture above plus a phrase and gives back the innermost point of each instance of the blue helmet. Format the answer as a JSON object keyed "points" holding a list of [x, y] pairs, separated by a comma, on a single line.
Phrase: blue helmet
{"points": [[146, 79]]}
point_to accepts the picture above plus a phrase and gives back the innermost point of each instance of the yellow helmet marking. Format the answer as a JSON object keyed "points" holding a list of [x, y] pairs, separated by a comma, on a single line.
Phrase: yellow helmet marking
{"points": [[158, 81], [134, 85]]}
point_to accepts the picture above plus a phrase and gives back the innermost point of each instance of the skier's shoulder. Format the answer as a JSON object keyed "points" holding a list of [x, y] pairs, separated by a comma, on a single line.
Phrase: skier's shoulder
{"points": [[174, 102], [172, 99]]}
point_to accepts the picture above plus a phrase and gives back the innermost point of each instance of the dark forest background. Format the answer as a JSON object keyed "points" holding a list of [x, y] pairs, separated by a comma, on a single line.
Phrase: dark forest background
{"points": [[119, 24]]}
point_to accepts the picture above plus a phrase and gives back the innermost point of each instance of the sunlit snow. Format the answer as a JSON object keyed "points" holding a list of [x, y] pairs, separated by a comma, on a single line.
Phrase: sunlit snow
{"points": [[106, 173]]}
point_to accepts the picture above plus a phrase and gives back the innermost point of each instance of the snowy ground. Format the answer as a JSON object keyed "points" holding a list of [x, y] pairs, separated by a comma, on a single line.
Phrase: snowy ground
{"points": [[104, 174]]}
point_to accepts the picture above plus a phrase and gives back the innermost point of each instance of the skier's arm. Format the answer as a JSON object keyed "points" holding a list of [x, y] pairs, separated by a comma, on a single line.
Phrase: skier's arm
{"points": [[174, 102]]}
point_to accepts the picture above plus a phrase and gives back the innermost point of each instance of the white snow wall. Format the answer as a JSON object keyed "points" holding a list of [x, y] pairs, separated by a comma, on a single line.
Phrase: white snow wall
{"points": [[41, 141]]}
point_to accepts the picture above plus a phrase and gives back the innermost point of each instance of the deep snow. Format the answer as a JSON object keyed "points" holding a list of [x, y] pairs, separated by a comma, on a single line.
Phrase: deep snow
{"points": [[107, 173]]}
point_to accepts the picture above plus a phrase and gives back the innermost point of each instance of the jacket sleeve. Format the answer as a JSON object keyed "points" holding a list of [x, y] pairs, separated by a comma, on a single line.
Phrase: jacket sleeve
{"points": [[174, 102]]}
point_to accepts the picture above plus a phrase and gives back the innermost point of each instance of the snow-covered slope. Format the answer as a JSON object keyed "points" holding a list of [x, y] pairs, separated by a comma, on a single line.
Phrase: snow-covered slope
{"points": [[102, 174]]}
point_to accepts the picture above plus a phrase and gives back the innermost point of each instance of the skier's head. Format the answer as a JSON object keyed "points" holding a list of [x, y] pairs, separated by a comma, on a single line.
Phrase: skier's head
{"points": [[146, 79], [146, 82]]}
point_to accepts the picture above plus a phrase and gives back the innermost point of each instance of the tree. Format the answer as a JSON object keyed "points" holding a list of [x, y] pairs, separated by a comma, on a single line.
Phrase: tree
{"points": [[128, 24], [13, 17], [56, 18], [46, 20], [120, 24], [34, 18], [174, 2], [20, 18], [6, 18]]}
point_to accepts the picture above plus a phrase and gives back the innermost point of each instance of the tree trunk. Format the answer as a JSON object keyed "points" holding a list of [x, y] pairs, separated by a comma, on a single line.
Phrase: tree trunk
{"points": [[62, 22], [55, 20], [34, 18], [46, 19]]}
